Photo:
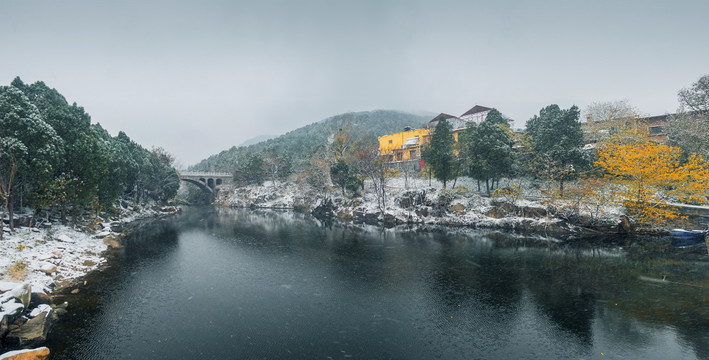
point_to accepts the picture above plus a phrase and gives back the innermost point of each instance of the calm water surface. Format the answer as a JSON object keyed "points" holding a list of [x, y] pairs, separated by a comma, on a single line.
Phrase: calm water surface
{"points": [[233, 284]]}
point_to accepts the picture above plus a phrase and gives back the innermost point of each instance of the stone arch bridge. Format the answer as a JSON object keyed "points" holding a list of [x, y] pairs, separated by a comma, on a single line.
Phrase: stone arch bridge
{"points": [[208, 182]]}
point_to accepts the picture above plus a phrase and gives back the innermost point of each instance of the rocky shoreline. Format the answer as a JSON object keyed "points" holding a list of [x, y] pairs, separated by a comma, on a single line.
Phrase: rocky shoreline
{"points": [[423, 204], [42, 262]]}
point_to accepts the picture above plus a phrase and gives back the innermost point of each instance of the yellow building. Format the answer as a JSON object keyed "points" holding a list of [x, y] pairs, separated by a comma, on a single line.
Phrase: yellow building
{"points": [[402, 146], [407, 145]]}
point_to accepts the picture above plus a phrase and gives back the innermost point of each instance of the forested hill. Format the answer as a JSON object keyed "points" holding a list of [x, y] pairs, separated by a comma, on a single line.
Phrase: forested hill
{"points": [[300, 144]]}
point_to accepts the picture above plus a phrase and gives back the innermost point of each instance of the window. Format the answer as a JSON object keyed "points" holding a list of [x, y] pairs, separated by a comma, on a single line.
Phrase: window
{"points": [[389, 141], [412, 154], [399, 155], [656, 130]]}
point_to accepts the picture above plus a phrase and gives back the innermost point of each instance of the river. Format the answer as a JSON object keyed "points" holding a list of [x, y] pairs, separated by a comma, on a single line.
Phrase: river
{"points": [[238, 284]]}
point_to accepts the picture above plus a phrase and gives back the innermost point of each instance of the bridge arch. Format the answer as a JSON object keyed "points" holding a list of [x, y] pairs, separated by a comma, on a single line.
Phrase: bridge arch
{"points": [[208, 182]]}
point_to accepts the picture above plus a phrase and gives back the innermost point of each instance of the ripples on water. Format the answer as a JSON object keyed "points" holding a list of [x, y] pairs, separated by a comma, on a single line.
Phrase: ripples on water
{"points": [[244, 284]]}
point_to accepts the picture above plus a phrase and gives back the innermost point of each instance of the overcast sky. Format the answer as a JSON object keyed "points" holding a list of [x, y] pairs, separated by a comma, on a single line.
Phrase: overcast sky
{"points": [[197, 77]]}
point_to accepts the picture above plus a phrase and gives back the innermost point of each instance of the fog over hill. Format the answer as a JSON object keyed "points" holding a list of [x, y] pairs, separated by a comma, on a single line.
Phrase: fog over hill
{"points": [[303, 142]]}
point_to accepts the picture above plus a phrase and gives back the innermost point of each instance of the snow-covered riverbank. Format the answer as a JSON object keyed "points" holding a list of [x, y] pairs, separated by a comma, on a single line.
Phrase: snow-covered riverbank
{"points": [[420, 201], [36, 262]]}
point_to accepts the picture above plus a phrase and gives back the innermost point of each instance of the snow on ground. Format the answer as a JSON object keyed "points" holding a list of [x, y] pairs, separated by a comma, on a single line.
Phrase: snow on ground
{"points": [[46, 257], [464, 204], [50, 258]]}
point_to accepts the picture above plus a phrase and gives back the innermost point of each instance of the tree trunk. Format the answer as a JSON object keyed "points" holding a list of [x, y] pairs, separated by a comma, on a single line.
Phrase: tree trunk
{"points": [[11, 209], [487, 186], [2, 218], [63, 212]]}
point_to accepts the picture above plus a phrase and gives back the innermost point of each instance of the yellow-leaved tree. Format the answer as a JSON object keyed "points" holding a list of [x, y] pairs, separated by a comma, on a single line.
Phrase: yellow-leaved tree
{"points": [[650, 176]]}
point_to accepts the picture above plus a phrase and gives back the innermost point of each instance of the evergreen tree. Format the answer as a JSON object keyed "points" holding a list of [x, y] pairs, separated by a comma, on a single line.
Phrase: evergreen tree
{"points": [[486, 150], [438, 153], [41, 150], [556, 139]]}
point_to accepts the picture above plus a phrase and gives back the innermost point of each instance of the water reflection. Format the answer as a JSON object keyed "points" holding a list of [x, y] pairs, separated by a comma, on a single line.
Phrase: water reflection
{"points": [[231, 283]]}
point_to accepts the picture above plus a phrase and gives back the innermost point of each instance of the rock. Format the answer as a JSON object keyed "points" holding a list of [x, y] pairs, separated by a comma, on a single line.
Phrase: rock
{"points": [[458, 208], [32, 332], [39, 298], [41, 353], [422, 212], [113, 242], [42, 308], [116, 226], [75, 291], [326, 210], [12, 308], [534, 212], [496, 213], [64, 238], [389, 219], [47, 268], [508, 207], [4, 325], [22, 293], [57, 254], [625, 226]]}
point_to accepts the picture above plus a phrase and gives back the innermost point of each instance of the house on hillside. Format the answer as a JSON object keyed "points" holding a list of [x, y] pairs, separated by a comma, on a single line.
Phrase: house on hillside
{"points": [[476, 114], [456, 122], [405, 147], [652, 127], [402, 146]]}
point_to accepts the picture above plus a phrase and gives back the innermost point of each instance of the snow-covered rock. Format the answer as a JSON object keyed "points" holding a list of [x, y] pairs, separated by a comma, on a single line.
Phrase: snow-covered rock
{"points": [[41, 308], [47, 268], [64, 238], [27, 354]]}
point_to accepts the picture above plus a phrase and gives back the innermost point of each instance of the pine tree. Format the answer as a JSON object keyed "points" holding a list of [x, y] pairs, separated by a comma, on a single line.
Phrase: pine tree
{"points": [[556, 138], [486, 149], [439, 155]]}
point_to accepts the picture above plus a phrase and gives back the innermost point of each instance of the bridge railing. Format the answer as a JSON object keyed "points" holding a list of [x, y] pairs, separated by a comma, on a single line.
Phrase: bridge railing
{"points": [[205, 174]]}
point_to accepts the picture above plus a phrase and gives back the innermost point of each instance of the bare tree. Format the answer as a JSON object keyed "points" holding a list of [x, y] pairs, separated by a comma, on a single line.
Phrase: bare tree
{"points": [[696, 97], [615, 120], [373, 167], [689, 128]]}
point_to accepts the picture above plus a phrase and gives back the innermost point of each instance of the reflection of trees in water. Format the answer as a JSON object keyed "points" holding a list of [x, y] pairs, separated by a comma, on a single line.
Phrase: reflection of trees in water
{"points": [[153, 239], [574, 285]]}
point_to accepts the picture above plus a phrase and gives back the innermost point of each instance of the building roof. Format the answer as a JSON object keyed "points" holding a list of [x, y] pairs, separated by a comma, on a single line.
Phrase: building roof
{"points": [[476, 109], [442, 116]]}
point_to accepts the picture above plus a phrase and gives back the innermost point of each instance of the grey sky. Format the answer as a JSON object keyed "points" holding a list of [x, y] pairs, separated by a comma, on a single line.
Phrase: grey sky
{"points": [[197, 77]]}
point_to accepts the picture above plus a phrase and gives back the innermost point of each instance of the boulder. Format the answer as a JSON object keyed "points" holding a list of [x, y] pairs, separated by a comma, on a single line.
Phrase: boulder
{"points": [[39, 298], [4, 325], [13, 309], [42, 308], [116, 226], [47, 268], [41, 353], [32, 332], [22, 293], [458, 208], [496, 213], [625, 226], [422, 211], [113, 242], [389, 219], [534, 212]]}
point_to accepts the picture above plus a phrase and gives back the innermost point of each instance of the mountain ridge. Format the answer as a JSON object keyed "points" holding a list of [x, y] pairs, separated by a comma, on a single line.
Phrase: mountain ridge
{"points": [[303, 142]]}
